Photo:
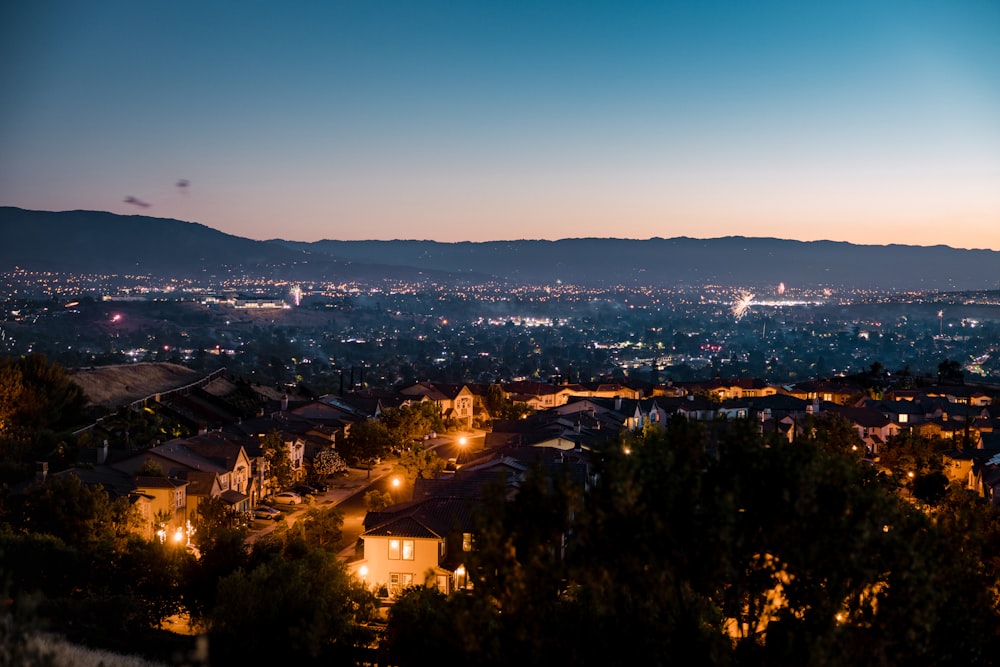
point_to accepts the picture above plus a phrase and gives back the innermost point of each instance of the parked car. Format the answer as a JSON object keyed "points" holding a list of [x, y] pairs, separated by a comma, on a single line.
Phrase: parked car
{"points": [[319, 486], [288, 498], [266, 513], [306, 489]]}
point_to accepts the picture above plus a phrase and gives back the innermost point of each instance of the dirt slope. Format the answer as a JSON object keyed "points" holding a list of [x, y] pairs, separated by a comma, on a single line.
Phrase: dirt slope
{"points": [[112, 386]]}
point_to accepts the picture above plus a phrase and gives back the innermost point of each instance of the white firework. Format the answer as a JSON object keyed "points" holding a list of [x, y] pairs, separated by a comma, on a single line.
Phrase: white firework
{"points": [[296, 293], [742, 305]]}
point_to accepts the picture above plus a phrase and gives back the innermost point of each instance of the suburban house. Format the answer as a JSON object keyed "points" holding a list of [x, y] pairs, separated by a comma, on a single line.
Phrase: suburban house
{"points": [[537, 395], [873, 427], [456, 401], [423, 542], [160, 502], [213, 464], [167, 506], [721, 389], [427, 540], [825, 391], [762, 408], [604, 390]]}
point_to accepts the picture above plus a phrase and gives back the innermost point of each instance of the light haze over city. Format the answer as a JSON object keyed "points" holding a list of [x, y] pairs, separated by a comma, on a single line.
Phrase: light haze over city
{"points": [[867, 122]]}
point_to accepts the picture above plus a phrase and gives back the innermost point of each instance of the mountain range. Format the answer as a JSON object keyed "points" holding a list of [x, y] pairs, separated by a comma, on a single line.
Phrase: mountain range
{"points": [[104, 243]]}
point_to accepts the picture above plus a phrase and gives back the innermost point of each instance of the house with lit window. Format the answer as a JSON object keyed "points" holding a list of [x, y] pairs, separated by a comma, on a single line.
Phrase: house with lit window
{"points": [[160, 503], [825, 391], [538, 395], [456, 401], [211, 464], [167, 505], [424, 542], [427, 541]]}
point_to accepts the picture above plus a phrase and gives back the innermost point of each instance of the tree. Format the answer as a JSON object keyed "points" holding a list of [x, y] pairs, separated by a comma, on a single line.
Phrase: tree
{"points": [[278, 458], [48, 397], [215, 517], [150, 468], [950, 370], [764, 553], [320, 528], [328, 462], [410, 422], [290, 610], [11, 389], [64, 506], [501, 407], [376, 501], [367, 441], [420, 462]]}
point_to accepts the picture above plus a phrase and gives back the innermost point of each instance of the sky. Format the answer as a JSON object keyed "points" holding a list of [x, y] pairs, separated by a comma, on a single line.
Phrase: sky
{"points": [[868, 122]]}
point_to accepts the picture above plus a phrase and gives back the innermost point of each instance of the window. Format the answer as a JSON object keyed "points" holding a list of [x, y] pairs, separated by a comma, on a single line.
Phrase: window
{"points": [[466, 541], [398, 581], [442, 583], [400, 549]]}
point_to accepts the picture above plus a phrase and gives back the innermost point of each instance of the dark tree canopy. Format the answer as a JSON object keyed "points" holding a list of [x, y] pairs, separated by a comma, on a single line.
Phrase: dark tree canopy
{"points": [[713, 544]]}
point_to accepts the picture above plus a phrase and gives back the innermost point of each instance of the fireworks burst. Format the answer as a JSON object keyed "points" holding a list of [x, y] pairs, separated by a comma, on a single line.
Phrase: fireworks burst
{"points": [[296, 294], [742, 305]]}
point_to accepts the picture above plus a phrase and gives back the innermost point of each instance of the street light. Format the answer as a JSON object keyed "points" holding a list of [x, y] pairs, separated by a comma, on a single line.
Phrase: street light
{"points": [[461, 448]]}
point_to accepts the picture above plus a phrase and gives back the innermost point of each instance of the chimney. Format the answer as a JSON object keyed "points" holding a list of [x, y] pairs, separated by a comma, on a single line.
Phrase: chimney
{"points": [[284, 402]]}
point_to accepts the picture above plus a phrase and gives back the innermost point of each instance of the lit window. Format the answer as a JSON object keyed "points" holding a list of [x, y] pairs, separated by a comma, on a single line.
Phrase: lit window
{"points": [[393, 549], [466, 541], [407, 549], [399, 581]]}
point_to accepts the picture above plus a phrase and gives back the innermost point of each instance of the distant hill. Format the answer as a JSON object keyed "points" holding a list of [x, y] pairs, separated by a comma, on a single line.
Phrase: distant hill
{"points": [[99, 242], [731, 260]]}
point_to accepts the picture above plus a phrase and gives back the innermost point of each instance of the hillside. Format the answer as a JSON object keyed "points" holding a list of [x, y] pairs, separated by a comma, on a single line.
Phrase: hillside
{"points": [[101, 243], [104, 243], [686, 261], [111, 386]]}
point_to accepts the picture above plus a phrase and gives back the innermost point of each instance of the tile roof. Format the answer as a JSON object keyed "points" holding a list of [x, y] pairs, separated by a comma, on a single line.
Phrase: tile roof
{"points": [[425, 518]]}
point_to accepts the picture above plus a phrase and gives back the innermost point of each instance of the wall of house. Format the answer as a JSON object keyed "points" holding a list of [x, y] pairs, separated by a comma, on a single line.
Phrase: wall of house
{"points": [[380, 567]]}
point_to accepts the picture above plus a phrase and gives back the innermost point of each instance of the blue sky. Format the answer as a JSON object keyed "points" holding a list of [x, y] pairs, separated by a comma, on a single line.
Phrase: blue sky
{"points": [[869, 122]]}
